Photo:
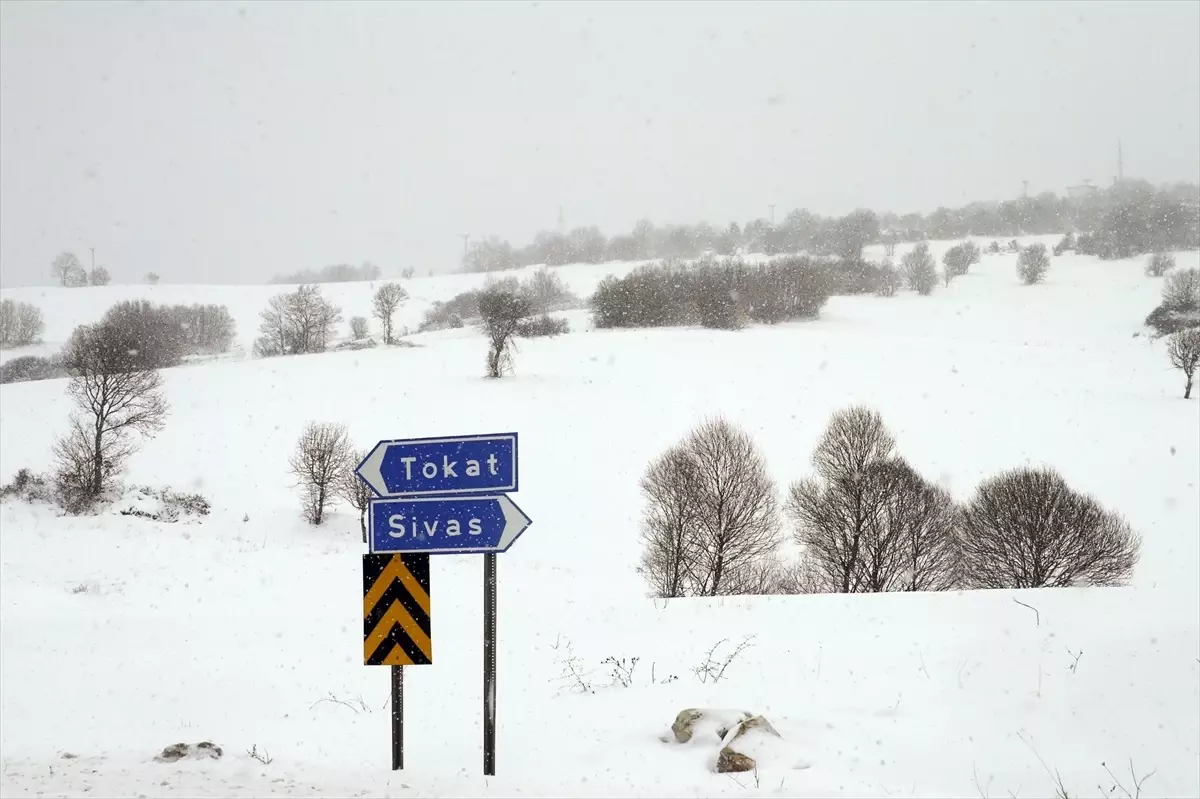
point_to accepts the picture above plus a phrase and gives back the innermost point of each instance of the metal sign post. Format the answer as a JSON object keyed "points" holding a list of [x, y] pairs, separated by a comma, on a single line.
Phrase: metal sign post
{"points": [[489, 664], [397, 718]]}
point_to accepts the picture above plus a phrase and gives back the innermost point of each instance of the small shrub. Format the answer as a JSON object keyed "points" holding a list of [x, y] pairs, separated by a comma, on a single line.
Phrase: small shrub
{"points": [[958, 259], [1065, 244], [172, 505], [547, 292], [29, 486], [1159, 264], [1033, 263], [920, 269], [889, 280], [21, 324], [453, 313], [32, 367], [994, 248], [544, 325], [358, 327], [1181, 289]]}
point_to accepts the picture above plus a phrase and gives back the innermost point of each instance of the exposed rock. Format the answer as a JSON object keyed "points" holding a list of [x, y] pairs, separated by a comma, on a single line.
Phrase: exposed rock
{"points": [[747, 742], [717, 720], [210, 749], [205, 750], [729, 761]]}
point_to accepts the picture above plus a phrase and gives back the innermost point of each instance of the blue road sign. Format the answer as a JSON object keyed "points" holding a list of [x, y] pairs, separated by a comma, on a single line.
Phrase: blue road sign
{"points": [[446, 525], [417, 467]]}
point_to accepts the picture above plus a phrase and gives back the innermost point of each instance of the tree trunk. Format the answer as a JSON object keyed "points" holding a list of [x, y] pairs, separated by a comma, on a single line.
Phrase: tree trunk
{"points": [[1187, 389], [97, 464], [362, 523]]}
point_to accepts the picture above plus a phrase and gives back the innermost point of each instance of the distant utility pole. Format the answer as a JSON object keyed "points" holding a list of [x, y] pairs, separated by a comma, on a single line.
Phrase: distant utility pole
{"points": [[1024, 188], [465, 237], [562, 220], [92, 277], [772, 207], [1120, 164]]}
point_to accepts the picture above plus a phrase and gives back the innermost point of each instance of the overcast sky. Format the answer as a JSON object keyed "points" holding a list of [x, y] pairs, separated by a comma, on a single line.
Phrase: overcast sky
{"points": [[230, 141]]}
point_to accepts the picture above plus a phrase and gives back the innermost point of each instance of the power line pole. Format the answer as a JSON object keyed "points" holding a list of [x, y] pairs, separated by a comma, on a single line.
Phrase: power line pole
{"points": [[92, 276], [772, 207], [465, 237], [1024, 188]]}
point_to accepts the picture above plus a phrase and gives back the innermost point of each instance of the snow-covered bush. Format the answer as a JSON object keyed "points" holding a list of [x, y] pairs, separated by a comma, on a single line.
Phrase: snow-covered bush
{"points": [[1159, 264], [889, 279], [1033, 263], [31, 367], [920, 269], [544, 325]]}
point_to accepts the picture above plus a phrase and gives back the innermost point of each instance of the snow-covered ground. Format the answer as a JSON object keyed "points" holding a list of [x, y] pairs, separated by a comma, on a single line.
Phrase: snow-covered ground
{"points": [[119, 635]]}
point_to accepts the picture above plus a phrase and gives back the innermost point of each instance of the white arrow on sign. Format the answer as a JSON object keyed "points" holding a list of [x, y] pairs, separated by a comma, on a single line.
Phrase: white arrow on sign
{"points": [[515, 522], [371, 470]]}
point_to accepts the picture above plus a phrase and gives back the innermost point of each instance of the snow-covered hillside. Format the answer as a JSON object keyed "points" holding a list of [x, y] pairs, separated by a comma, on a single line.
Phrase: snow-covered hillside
{"points": [[122, 635]]}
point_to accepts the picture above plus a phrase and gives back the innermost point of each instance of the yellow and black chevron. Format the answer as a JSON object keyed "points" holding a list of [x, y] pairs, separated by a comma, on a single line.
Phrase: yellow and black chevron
{"points": [[396, 622]]}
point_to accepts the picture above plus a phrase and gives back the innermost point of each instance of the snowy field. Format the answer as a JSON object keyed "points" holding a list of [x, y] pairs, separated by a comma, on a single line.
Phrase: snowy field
{"points": [[121, 635]]}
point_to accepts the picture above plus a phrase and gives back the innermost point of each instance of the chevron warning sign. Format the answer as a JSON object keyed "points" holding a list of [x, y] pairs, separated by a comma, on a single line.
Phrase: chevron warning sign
{"points": [[396, 621]]}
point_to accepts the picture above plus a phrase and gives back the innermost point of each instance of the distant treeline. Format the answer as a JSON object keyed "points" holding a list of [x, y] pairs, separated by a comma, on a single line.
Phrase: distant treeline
{"points": [[337, 273], [1130, 218]]}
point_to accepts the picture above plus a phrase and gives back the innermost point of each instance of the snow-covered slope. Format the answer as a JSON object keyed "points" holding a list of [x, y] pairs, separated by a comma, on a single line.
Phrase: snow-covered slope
{"points": [[235, 628]]}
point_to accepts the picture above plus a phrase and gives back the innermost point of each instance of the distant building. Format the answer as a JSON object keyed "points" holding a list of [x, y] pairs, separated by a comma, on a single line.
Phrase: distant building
{"points": [[1085, 189]]}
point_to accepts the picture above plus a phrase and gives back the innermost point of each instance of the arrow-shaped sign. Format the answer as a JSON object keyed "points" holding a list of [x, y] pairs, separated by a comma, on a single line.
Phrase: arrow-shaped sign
{"points": [[450, 465], [446, 525]]}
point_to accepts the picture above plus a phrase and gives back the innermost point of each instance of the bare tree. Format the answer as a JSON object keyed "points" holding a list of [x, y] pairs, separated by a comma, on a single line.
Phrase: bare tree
{"points": [[21, 323], [1183, 347], [834, 514], [354, 490], [737, 518], [1033, 263], [152, 278], [919, 522], [319, 463], [68, 271], [920, 269], [1026, 528], [358, 327], [388, 298], [670, 487], [117, 398], [501, 312]]}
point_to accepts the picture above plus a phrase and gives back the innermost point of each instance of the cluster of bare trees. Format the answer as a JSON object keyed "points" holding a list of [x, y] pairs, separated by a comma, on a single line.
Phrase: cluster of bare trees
{"points": [[867, 521], [296, 323], [323, 464], [69, 272], [21, 323]]}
